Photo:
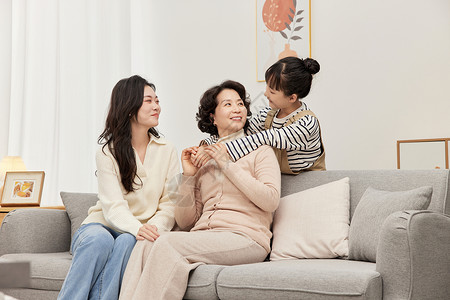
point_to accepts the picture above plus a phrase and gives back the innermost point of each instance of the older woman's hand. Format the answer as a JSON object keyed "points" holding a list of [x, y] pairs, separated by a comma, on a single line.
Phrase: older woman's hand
{"points": [[200, 158]]}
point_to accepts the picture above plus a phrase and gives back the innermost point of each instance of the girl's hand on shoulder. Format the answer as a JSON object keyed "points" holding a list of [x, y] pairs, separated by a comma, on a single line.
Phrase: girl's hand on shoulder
{"points": [[147, 232], [200, 158], [189, 169], [219, 153]]}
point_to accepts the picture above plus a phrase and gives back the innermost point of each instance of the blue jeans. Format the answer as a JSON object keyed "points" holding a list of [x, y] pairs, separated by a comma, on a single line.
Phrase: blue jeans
{"points": [[100, 256]]}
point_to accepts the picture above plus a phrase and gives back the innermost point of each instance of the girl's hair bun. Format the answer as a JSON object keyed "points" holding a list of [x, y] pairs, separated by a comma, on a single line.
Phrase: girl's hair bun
{"points": [[311, 65]]}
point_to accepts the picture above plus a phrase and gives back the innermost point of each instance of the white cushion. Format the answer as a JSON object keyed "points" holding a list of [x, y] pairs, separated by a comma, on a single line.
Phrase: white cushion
{"points": [[313, 223]]}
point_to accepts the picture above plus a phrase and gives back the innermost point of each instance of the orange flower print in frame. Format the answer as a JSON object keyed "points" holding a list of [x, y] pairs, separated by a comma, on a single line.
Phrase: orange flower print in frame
{"points": [[275, 14]]}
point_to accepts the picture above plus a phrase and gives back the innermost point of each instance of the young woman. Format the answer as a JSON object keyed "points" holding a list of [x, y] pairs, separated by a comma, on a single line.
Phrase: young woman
{"points": [[227, 206], [133, 167], [287, 125]]}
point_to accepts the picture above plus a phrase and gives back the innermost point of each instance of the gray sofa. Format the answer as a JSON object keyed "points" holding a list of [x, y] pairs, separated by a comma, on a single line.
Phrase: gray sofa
{"points": [[412, 258]]}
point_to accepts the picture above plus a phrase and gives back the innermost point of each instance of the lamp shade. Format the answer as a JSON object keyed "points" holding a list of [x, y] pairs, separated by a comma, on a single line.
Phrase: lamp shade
{"points": [[11, 163]]}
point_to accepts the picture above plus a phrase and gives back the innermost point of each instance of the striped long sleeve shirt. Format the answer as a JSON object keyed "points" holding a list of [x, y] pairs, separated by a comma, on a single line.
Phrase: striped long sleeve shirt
{"points": [[301, 139]]}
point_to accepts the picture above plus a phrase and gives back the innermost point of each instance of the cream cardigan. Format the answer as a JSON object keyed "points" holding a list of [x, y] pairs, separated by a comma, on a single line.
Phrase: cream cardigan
{"points": [[239, 198], [149, 204]]}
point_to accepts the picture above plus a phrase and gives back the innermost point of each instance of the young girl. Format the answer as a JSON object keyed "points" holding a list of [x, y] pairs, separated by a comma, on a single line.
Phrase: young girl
{"points": [[227, 206], [133, 166], [287, 125]]}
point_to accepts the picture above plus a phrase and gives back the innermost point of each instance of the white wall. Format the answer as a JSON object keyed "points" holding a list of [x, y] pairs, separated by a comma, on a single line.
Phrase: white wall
{"points": [[385, 70], [385, 76], [202, 44]]}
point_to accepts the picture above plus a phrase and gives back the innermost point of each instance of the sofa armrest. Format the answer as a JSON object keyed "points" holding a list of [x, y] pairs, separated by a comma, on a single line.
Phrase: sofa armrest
{"points": [[35, 230], [413, 255]]}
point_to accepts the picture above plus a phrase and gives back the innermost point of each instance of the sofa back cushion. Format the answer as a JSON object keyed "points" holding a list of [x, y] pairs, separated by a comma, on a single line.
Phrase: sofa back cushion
{"points": [[388, 180], [77, 206], [373, 209]]}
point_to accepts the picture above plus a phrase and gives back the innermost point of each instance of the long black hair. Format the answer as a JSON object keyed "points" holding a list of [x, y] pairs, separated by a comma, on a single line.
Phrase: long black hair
{"points": [[126, 99]]}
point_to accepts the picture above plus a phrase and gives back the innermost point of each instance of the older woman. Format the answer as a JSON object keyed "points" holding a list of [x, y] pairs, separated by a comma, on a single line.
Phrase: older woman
{"points": [[226, 206]]}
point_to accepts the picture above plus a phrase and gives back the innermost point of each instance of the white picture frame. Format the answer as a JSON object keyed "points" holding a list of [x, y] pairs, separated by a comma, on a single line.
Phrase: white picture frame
{"points": [[422, 154], [22, 188]]}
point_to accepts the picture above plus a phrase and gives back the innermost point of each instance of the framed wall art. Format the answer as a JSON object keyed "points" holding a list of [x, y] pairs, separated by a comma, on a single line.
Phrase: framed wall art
{"points": [[283, 28], [22, 188]]}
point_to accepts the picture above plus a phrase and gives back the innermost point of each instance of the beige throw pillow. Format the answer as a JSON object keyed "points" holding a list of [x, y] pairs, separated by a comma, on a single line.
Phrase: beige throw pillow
{"points": [[313, 223]]}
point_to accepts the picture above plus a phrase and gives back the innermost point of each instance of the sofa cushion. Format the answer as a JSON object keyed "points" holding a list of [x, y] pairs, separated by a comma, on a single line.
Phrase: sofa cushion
{"points": [[313, 223], [48, 270], [77, 206], [301, 279], [24, 293], [202, 283], [388, 180], [373, 208]]}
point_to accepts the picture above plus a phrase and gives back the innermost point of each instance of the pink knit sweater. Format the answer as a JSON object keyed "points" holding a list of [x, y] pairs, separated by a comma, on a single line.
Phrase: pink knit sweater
{"points": [[240, 198]]}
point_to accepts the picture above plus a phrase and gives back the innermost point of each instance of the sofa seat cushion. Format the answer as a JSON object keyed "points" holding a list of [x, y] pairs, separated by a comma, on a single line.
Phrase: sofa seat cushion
{"points": [[48, 270], [34, 294], [301, 279], [202, 282]]}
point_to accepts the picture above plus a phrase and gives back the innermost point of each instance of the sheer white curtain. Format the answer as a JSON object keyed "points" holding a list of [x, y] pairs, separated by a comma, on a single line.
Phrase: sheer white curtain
{"points": [[62, 59]]}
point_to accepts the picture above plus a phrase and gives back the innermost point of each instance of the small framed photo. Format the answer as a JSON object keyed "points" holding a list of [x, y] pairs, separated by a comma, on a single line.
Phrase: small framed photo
{"points": [[22, 188]]}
